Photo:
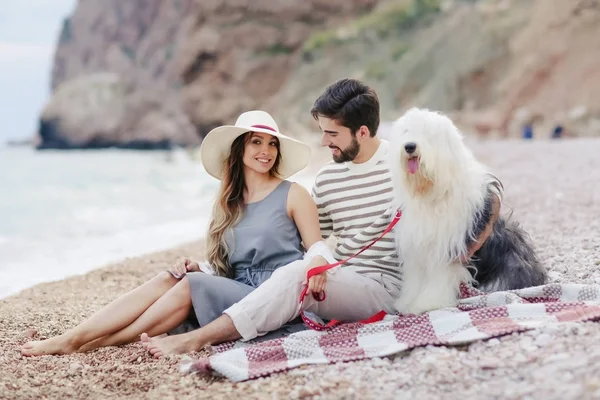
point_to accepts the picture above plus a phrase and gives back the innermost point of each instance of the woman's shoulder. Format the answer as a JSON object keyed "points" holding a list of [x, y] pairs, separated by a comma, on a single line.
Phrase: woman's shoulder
{"points": [[295, 187], [298, 195], [292, 187]]}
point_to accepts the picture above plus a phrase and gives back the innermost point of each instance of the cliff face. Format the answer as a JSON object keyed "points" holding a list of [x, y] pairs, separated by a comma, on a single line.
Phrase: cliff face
{"points": [[240, 53], [414, 53], [115, 80], [553, 69], [136, 39], [489, 63], [103, 110], [214, 59]]}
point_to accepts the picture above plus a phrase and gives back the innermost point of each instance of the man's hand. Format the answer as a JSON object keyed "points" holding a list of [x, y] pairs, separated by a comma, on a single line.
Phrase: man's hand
{"points": [[317, 283], [184, 265]]}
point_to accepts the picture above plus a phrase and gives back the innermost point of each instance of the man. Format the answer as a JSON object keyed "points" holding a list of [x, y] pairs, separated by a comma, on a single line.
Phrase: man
{"points": [[354, 199], [354, 194]]}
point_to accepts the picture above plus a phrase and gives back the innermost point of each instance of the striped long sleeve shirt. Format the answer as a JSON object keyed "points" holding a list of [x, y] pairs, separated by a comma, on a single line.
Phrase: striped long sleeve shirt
{"points": [[355, 205]]}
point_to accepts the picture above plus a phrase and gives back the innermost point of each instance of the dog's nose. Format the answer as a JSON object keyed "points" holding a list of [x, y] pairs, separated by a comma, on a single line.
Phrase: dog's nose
{"points": [[410, 147]]}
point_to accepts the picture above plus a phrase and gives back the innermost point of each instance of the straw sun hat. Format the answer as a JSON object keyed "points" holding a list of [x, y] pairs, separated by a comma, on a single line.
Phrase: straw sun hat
{"points": [[216, 146]]}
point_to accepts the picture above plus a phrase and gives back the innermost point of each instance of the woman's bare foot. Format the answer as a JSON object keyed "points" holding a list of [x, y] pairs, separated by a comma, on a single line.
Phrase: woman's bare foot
{"points": [[177, 344], [56, 345]]}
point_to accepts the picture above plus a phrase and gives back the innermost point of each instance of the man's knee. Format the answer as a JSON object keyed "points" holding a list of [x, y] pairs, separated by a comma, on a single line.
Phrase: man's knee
{"points": [[292, 273]]}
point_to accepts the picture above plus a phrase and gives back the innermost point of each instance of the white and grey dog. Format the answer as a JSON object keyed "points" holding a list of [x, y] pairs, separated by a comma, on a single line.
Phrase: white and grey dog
{"points": [[447, 199]]}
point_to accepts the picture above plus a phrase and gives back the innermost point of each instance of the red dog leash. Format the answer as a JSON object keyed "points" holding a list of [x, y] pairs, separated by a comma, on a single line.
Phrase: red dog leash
{"points": [[317, 270]]}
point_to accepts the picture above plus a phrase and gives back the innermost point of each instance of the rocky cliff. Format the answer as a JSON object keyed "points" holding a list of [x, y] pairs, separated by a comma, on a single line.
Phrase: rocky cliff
{"points": [[211, 58], [102, 110], [491, 63], [551, 71]]}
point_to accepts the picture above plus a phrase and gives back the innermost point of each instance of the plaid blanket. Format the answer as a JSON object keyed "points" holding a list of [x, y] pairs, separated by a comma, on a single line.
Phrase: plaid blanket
{"points": [[478, 316]]}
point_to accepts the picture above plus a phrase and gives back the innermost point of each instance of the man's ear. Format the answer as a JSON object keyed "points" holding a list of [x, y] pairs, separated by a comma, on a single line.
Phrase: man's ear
{"points": [[363, 132]]}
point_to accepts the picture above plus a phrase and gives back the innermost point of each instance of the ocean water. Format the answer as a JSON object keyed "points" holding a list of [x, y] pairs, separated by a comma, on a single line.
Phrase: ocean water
{"points": [[66, 213]]}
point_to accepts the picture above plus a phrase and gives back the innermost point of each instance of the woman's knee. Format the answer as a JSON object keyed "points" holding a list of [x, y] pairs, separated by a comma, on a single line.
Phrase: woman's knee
{"points": [[180, 292], [165, 277], [183, 287]]}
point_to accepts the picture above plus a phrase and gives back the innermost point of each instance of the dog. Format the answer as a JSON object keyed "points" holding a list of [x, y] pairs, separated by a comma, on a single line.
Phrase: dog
{"points": [[447, 199]]}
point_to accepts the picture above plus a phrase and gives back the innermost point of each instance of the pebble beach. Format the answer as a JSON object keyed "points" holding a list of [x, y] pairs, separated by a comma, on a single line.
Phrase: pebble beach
{"points": [[551, 187]]}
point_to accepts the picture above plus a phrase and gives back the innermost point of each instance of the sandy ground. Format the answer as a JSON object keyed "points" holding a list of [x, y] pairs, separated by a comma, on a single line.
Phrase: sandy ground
{"points": [[553, 189]]}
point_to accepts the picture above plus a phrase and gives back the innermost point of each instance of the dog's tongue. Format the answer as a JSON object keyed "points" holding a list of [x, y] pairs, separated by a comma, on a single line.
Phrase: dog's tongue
{"points": [[413, 165]]}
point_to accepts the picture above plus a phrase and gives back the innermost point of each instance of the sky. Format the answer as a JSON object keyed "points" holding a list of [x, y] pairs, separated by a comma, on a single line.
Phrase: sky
{"points": [[29, 31]]}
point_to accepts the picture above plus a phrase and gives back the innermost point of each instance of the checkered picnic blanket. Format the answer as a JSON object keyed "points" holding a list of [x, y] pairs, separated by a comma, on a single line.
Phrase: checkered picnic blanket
{"points": [[478, 316]]}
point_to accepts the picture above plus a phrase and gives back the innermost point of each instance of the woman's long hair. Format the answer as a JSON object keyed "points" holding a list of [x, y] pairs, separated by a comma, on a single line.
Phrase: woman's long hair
{"points": [[229, 206]]}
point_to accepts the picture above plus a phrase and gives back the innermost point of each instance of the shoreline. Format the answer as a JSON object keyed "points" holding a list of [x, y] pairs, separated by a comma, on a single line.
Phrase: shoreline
{"points": [[78, 259], [95, 252], [115, 254], [155, 262]]}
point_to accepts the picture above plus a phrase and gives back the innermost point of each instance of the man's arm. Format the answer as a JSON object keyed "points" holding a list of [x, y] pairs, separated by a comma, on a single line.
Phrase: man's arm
{"points": [[485, 234], [325, 222]]}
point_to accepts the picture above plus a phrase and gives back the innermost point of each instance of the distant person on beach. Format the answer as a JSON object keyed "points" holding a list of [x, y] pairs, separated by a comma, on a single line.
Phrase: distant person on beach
{"points": [[557, 132], [528, 126], [528, 131], [260, 222]]}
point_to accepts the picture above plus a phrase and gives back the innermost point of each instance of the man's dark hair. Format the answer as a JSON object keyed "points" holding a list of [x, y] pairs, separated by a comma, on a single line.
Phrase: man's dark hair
{"points": [[351, 103]]}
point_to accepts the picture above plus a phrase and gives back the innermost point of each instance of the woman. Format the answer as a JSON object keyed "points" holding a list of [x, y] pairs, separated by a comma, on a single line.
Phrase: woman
{"points": [[259, 223]]}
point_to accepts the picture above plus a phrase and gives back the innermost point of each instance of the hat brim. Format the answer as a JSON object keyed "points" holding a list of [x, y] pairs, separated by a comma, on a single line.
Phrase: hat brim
{"points": [[216, 146]]}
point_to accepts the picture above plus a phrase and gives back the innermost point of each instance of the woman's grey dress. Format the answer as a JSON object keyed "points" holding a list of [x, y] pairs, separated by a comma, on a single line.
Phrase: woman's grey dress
{"points": [[265, 239]]}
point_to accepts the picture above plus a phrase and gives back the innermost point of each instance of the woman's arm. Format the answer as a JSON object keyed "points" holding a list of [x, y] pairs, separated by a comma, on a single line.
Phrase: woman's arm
{"points": [[303, 210]]}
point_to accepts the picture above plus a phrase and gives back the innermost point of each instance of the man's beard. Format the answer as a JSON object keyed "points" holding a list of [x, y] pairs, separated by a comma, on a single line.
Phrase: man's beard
{"points": [[349, 153]]}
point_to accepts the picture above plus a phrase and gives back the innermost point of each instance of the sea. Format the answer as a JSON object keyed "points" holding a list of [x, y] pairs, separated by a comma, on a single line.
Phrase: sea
{"points": [[65, 213]]}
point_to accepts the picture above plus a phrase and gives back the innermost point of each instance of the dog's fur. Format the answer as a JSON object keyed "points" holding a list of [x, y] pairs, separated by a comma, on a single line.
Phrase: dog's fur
{"points": [[447, 201]]}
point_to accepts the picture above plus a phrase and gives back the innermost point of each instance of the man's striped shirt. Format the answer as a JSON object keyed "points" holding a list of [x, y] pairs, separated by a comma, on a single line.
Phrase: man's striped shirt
{"points": [[355, 205]]}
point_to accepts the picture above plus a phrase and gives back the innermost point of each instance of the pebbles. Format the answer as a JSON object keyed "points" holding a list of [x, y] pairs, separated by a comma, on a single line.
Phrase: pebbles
{"points": [[554, 190]]}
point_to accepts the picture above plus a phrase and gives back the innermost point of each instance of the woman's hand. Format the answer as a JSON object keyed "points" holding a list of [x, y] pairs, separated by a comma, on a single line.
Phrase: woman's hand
{"points": [[184, 265], [317, 283]]}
